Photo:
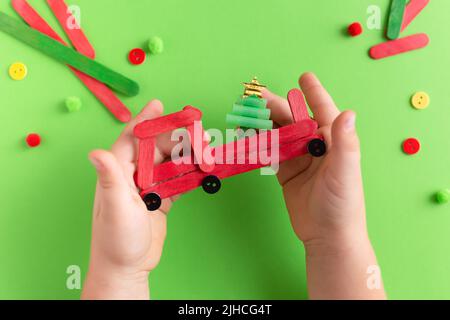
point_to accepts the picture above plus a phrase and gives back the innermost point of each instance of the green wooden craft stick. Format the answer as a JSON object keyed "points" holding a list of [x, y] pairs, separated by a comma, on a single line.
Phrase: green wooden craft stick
{"points": [[66, 55], [238, 121], [396, 18], [258, 113]]}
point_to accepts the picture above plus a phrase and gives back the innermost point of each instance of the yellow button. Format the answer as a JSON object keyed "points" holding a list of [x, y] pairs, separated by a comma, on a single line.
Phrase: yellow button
{"points": [[18, 71], [420, 100]]}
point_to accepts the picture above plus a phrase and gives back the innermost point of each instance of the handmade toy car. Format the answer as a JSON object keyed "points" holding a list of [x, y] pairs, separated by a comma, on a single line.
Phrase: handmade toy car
{"points": [[171, 179]]}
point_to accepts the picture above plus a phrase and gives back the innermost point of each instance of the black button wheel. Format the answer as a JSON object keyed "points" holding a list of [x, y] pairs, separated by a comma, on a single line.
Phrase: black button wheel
{"points": [[317, 148], [152, 201], [211, 184]]}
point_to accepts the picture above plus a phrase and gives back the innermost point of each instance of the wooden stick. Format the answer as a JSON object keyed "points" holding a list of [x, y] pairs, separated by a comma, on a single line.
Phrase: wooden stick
{"points": [[26, 11], [392, 48], [76, 35], [194, 179], [154, 127], [66, 55], [413, 9], [200, 149], [146, 160], [101, 91], [287, 135], [396, 18], [298, 105]]}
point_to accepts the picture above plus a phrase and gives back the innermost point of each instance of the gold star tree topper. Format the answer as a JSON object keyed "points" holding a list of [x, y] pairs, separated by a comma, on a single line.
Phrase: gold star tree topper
{"points": [[253, 88]]}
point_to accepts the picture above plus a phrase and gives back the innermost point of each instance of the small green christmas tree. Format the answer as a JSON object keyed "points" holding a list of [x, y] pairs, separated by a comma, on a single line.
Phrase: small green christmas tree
{"points": [[250, 111]]}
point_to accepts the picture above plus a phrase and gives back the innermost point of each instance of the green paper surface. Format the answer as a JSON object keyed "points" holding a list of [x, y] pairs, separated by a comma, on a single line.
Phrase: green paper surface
{"points": [[239, 243]]}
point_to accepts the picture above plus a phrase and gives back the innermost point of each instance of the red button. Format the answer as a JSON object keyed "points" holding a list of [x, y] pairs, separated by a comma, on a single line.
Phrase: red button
{"points": [[355, 29], [137, 56], [33, 140], [411, 146]]}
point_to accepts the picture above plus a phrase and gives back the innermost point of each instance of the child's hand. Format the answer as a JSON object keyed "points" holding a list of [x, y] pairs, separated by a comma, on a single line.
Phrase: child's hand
{"points": [[127, 240], [325, 196]]}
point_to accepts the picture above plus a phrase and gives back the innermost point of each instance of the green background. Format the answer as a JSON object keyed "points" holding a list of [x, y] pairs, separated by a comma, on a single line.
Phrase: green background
{"points": [[238, 244]]}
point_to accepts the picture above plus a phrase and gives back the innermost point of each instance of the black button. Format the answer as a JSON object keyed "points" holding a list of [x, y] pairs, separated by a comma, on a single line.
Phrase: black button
{"points": [[211, 184], [152, 201]]}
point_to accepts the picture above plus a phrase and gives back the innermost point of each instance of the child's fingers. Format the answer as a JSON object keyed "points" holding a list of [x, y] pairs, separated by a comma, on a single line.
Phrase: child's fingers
{"points": [[109, 171], [280, 111], [166, 142], [164, 147], [125, 147], [345, 152], [319, 100]]}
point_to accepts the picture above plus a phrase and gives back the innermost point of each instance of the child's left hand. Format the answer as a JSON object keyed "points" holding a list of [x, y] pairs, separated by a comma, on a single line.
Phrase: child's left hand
{"points": [[127, 240]]}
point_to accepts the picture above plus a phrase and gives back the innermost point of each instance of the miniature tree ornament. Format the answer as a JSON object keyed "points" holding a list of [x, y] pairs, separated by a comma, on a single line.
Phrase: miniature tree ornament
{"points": [[250, 111]]}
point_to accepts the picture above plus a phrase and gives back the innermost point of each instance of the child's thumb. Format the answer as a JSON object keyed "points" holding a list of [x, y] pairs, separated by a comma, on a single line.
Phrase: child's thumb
{"points": [[109, 171], [345, 149]]}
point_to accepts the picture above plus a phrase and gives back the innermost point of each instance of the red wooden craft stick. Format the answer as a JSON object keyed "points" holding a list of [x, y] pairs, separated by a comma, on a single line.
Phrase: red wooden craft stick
{"points": [[76, 35], [154, 127], [398, 46], [413, 9], [146, 161], [298, 105], [287, 135], [100, 90], [27, 12], [194, 179], [206, 165]]}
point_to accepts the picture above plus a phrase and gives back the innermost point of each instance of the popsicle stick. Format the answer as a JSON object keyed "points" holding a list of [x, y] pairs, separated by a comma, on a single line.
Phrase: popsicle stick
{"points": [[154, 127], [76, 35], [104, 94], [194, 179], [27, 12], [101, 91], [396, 18], [286, 135], [200, 149], [298, 105], [66, 55], [145, 163], [413, 9], [395, 47]]}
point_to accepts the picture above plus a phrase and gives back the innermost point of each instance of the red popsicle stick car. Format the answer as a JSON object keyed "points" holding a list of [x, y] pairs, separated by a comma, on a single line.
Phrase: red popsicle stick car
{"points": [[170, 178]]}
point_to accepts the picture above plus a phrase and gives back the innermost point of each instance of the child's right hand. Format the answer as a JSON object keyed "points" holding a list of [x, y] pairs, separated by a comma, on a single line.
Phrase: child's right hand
{"points": [[127, 240], [325, 197]]}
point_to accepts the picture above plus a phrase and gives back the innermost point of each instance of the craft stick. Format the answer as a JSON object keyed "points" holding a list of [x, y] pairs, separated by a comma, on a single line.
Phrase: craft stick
{"points": [[287, 135], [101, 91], [395, 47], [396, 18], [194, 179], [298, 106], [145, 163], [413, 9], [27, 12], [154, 127], [66, 55], [76, 35], [200, 149], [104, 94]]}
